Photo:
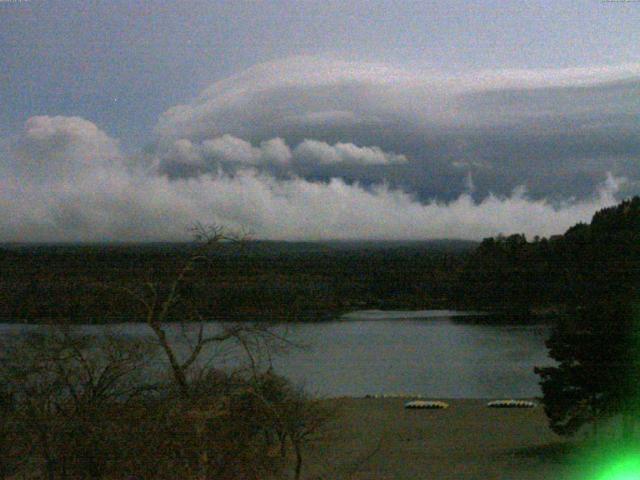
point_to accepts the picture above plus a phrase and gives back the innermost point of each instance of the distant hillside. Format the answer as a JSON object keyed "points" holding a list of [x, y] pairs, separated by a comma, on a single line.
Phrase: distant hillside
{"points": [[267, 247], [255, 280]]}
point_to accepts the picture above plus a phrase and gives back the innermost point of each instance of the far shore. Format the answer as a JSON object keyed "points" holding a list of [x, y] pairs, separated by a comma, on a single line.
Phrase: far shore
{"points": [[377, 438]]}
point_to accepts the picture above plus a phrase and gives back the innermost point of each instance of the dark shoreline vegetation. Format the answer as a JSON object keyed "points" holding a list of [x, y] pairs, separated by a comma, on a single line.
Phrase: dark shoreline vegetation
{"points": [[519, 280], [259, 280]]}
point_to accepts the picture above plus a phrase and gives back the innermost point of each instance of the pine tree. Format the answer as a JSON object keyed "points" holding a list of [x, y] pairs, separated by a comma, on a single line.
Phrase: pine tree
{"points": [[597, 375]]}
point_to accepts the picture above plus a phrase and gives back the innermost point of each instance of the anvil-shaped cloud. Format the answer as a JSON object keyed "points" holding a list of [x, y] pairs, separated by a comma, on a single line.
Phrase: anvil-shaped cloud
{"points": [[555, 131]]}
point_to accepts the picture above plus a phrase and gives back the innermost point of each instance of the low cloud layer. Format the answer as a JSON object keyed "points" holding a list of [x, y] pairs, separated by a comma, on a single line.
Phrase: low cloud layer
{"points": [[315, 151], [184, 158], [63, 179]]}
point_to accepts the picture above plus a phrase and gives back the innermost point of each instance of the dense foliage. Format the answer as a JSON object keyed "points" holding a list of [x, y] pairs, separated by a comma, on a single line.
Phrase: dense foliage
{"points": [[597, 343], [599, 260], [598, 372], [258, 280], [76, 406], [588, 279]]}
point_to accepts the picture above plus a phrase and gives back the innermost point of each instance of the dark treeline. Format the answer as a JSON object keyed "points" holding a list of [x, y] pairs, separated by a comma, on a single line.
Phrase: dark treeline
{"points": [[595, 272], [255, 280], [589, 262], [587, 279], [310, 281]]}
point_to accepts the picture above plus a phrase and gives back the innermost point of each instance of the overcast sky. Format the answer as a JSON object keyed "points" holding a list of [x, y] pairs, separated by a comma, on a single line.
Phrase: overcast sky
{"points": [[127, 120]]}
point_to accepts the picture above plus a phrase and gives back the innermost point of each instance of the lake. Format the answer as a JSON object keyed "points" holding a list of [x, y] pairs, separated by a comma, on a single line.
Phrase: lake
{"points": [[434, 353], [430, 353]]}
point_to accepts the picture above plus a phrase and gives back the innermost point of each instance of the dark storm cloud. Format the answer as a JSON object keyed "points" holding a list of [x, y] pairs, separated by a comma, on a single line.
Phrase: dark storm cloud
{"points": [[557, 133]]}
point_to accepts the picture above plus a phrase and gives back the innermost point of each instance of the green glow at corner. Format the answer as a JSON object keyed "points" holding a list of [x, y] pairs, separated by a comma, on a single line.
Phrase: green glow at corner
{"points": [[623, 469], [617, 459]]}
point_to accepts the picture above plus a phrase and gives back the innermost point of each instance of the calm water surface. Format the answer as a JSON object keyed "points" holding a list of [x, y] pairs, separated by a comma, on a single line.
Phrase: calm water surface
{"points": [[431, 353], [435, 354]]}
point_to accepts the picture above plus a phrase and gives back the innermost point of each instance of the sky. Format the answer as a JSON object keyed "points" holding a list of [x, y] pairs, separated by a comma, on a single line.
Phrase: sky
{"points": [[314, 120]]}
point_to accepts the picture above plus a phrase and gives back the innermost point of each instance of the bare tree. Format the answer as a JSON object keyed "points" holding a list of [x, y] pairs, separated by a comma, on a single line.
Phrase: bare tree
{"points": [[174, 301], [223, 440], [63, 385], [287, 412]]}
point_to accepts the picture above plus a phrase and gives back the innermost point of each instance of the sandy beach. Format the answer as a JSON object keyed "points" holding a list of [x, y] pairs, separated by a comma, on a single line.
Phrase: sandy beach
{"points": [[380, 439]]}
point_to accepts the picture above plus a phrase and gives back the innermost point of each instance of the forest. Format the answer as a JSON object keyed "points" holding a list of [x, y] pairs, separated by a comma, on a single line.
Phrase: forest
{"points": [[253, 280], [282, 281], [588, 262]]}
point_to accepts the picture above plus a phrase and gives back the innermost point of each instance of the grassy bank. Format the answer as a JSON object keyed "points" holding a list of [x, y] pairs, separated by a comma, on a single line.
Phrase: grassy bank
{"points": [[379, 439]]}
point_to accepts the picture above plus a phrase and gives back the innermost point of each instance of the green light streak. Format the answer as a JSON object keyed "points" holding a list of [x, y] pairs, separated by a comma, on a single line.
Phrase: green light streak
{"points": [[627, 468]]}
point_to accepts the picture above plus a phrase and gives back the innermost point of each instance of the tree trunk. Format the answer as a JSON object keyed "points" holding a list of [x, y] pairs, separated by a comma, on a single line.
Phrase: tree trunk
{"points": [[51, 469], [296, 446], [178, 372], [283, 445], [627, 426]]}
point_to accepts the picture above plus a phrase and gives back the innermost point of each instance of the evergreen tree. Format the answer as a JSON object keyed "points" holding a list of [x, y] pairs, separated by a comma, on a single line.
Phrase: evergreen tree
{"points": [[597, 375]]}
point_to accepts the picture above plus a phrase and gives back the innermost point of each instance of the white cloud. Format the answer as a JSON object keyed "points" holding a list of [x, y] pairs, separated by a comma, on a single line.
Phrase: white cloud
{"points": [[185, 152], [60, 148], [106, 201], [315, 151], [278, 92], [275, 151], [228, 148], [311, 90], [507, 127], [65, 179]]}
